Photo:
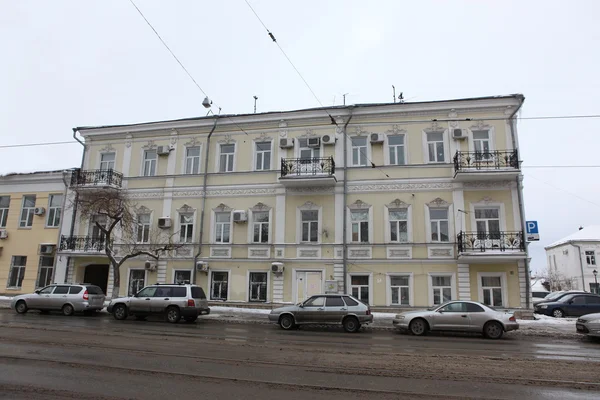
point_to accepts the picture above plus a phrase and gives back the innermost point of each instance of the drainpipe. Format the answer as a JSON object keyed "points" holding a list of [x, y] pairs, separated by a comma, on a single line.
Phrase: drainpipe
{"points": [[580, 265], [204, 185], [345, 222], [521, 208]]}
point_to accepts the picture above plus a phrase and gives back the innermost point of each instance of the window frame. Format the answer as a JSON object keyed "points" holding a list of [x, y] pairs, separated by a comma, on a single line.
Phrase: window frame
{"points": [[503, 282], [4, 212], [100, 161], [54, 210], [369, 286], [446, 145], [360, 224], [45, 267], [30, 212], [186, 157], [487, 220], [258, 152], [435, 142], [388, 147], [268, 283], [389, 277], [590, 257], [311, 223], [216, 224], [488, 204], [210, 284], [129, 271], [22, 270], [232, 154], [143, 226], [452, 286], [438, 222], [388, 221], [260, 224], [175, 271], [367, 151], [188, 237], [491, 137], [147, 163]]}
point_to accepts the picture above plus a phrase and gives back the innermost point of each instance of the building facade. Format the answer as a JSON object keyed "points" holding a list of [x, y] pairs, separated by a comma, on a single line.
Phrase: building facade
{"points": [[398, 204], [572, 260], [31, 206]]}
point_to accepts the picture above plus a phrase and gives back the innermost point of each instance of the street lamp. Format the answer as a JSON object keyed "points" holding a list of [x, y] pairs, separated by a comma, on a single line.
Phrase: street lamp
{"points": [[596, 281]]}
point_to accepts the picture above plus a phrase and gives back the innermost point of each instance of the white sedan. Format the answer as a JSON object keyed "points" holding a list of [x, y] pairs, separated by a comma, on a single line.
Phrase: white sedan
{"points": [[589, 324]]}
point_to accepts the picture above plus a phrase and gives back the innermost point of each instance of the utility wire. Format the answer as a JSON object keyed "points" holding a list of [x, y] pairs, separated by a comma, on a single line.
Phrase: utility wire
{"points": [[564, 190]]}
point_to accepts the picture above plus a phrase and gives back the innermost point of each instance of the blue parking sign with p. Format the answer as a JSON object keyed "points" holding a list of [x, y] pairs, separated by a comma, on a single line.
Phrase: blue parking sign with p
{"points": [[533, 232]]}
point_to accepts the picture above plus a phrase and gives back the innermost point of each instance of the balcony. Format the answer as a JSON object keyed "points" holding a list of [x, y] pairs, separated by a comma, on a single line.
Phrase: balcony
{"points": [[488, 165], [305, 172], [490, 246], [82, 244], [96, 178]]}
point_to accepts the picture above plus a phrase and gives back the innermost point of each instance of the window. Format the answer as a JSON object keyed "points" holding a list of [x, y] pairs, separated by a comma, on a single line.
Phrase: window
{"points": [[143, 228], [61, 290], [334, 302], [488, 222], [147, 292], [398, 225], [179, 292], [350, 302], [4, 206], [474, 308], [442, 289], [360, 225], [163, 292], [595, 288], [263, 156], [359, 286], [438, 218], [492, 290], [26, 220], [54, 210], [260, 226], [308, 153], [192, 160], [400, 289], [592, 300], [590, 257], [454, 307], [258, 286], [45, 271], [107, 161], [150, 160], [481, 144], [94, 231], [198, 293], [47, 290], [137, 281], [359, 151], [183, 276], [226, 158], [435, 146], [396, 149], [222, 227], [310, 225], [577, 300], [94, 290], [315, 302], [218, 290], [186, 228], [76, 290], [17, 271]]}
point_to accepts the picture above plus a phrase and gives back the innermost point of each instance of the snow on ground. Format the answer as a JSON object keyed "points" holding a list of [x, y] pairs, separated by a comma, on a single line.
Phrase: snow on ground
{"points": [[546, 320], [5, 297], [221, 310]]}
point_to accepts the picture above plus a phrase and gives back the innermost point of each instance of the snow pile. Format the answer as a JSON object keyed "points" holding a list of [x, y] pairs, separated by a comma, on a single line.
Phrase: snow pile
{"points": [[239, 310], [546, 320], [5, 297]]}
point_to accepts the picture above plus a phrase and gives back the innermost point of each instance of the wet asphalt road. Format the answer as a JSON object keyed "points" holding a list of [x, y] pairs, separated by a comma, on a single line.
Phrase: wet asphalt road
{"points": [[56, 357]]}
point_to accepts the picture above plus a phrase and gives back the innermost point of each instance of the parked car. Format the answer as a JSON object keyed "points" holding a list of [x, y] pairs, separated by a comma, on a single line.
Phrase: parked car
{"points": [[589, 324], [458, 316], [327, 309], [539, 294], [555, 296], [68, 298], [570, 305], [175, 301]]}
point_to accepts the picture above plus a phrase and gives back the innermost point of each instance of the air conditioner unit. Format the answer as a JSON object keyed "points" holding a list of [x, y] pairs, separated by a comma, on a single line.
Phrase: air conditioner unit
{"points": [[458, 133], [328, 139], [240, 216], [150, 266], [314, 142], [376, 138], [277, 268], [47, 248], [201, 266], [163, 150], [39, 210], [3, 234], [286, 143], [164, 222]]}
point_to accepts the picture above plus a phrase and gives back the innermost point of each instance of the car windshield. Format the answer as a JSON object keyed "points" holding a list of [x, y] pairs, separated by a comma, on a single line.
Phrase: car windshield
{"points": [[566, 298], [553, 296]]}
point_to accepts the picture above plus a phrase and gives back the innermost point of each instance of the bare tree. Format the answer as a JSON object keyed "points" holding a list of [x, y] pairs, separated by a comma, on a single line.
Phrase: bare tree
{"points": [[121, 237], [556, 280]]}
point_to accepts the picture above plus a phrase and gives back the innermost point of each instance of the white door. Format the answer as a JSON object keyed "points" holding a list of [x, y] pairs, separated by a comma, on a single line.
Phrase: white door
{"points": [[308, 283]]}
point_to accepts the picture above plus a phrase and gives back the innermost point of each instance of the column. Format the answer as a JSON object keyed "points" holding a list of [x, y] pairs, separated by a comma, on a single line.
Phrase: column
{"points": [[523, 284], [277, 288], [464, 282], [280, 225], [161, 271]]}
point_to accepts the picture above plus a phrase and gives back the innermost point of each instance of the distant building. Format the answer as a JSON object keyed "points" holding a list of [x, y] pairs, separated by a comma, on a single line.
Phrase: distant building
{"points": [[572, 260]]}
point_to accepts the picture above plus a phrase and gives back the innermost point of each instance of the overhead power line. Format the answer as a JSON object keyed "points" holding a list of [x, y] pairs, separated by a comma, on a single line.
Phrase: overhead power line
{"points": [[564, 190]]}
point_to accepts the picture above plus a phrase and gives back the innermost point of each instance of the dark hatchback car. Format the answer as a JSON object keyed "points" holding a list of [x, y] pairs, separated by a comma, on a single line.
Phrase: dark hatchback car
{"points": [[574, 305], [557, 296]]}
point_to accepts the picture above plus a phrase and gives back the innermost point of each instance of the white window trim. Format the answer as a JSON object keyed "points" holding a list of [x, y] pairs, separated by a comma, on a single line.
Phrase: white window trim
{"points": [[218, 158], [268, 300], [488, 204], [251, 226], [445, 135], [7, 211], [386, 220], [60, 208], [294, 280], [255, 153], [388, 283], [349, 222], [213, 225], [349, 283], [30, 208], [308, 206], [386, 149], [10, 268], [143, 159], [99, 161], [451, 232], [151, 213], [351, 152], [452, 276], [503, 281], [297, 145], [183, 166], [210, 279], [129, 277], [194, 225], [595, 257], [191, 270], [37, 279], [491, 132]]}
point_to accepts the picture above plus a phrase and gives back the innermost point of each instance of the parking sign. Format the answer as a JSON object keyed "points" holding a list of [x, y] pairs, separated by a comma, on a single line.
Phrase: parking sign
{"points": [[533, 232]]}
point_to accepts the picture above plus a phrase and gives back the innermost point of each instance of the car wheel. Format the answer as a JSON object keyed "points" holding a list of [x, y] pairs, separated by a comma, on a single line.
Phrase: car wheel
{"points": [[493, 330], [286, 322], [418, 327], [351, 325], [120, 312], [190, 319], [21, 307], [68, 310], [140, 317], [558, 313], [173, 315]]}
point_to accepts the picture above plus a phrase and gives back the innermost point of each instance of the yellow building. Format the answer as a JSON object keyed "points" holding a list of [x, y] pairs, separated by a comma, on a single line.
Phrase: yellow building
{"points": [[399, 204], [31, 206]]}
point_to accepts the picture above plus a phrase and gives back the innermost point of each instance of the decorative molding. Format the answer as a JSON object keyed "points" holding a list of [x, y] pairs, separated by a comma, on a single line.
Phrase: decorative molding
{"points": [[107, 148], [128, 140], [192, 142], [396, 130], [310, 189], [283, 124], [339, 253], [185, 209], [263, 137], [488, 184], [220, 252], [384, 187], [239, 192], [227, 139], [454, 124], [197, 193], [397, 204], [143, 210], [402, 252], [359, 205], [359, 252], [185, 251], [452, 114], [279, 253], [145, 195], [174, 135], [222, 208], [258, 252], [260, 207], [509, 110], [308, 253], [359, 131], [309, 205], [438, 202], [435, 127], [486, 200], [480, 125], [150, 145], [441, 252]]}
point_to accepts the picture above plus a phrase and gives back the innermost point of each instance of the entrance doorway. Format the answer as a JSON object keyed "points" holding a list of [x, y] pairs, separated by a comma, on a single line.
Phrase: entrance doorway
{"points": [[97, 274], [308, 283]]}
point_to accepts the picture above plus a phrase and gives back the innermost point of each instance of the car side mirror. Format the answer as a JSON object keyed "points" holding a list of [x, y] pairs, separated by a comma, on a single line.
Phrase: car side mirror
{"points": [[570, 302], [37, 292], [440, 311], [301, 305]]}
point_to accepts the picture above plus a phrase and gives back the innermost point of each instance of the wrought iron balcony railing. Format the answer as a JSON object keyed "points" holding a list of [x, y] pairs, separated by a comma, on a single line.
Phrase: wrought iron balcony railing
{"points": [[82, 243], [490, 241], [486, 160], [97, 177], [300, 167]]}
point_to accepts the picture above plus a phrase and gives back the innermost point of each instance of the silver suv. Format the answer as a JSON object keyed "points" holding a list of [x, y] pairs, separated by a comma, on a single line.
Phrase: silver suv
{"points": [[175, 301], [68, 298]]}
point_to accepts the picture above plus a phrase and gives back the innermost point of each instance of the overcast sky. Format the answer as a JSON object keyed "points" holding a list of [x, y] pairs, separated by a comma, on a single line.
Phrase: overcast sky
{"points": [[74, 63]]}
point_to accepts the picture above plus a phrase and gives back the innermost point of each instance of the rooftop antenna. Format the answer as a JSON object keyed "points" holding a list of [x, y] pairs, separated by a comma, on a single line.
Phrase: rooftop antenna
{"points": [[394, 89], [345, 97], [255, 98], [401, 97]]}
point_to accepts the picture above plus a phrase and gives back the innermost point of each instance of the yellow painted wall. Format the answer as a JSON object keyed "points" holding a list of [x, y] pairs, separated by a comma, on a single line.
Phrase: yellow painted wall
{"points": [[512, 280], [497, 196]]}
